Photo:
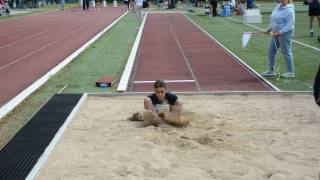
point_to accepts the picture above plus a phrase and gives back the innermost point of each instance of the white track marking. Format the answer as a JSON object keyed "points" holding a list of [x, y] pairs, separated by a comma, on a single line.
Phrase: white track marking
{"points": [[9, 106], [236, 57], [122, 87], [167, 81], [184, 57]]}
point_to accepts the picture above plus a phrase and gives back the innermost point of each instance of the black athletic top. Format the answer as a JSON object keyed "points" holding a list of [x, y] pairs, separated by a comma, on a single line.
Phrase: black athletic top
{"points": [[314, 3], [314, 7], [169, 98]]}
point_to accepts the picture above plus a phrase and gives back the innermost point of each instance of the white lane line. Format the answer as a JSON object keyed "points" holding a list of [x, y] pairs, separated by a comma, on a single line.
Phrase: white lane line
{"points": [[236, 57], [22, 29], [9, 106], [55, 140], [28, 37], [18, 29], [184, 56], [38, 34], [122, 87], [295, 41], [45, 46], [167, 81]]}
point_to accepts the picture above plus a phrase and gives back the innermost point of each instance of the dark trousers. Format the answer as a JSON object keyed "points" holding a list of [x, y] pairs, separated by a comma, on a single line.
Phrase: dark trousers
{"points": [[86, 5], [249, 5], [214, 4]]}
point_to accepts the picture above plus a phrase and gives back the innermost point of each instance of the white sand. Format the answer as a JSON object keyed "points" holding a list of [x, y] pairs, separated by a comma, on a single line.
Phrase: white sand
{"points": [[232, 137]]}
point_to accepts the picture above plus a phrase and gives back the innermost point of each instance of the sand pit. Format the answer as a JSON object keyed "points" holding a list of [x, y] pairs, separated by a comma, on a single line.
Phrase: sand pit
{"points": [[232, 137]]}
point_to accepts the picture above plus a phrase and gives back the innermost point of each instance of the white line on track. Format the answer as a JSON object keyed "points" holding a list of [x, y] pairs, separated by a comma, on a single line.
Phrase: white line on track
{"points": [[167, 81], [236, 57], [122, 87], [9, 106], [184, 56], [45, 46], [18, 29], [28, 37], [295, 41], [37, 34]]}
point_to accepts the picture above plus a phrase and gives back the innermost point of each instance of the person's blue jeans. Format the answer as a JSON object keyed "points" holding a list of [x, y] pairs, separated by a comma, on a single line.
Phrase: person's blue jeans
{"points": [[284, 43], [139, 12], [62, 4], [158, 4]]}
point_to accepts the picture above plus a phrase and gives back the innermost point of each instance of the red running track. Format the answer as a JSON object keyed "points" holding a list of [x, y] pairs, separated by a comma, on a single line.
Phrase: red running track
{"points": [[172, 48], [31, 46]]}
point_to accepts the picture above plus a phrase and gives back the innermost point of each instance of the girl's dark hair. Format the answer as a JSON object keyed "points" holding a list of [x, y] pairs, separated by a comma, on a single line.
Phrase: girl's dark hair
{"points": [[160, 84]]}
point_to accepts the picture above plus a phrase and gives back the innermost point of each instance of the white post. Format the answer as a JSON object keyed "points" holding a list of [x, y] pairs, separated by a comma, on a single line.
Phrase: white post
{"points": [[104, 3], [94, 4], [115, 3], [81, 3]]}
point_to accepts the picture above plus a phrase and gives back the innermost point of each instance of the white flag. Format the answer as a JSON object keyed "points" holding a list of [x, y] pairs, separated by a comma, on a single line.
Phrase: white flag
{"points": [[245, 38]]}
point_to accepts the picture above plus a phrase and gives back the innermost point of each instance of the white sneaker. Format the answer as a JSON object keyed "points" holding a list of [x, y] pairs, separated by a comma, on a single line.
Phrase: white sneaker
{"points": [[288, 75], [268, 73]]}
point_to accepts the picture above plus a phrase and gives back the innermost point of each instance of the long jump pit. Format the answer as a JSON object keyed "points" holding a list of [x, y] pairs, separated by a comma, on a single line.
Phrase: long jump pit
{"points": [[259, 135]]}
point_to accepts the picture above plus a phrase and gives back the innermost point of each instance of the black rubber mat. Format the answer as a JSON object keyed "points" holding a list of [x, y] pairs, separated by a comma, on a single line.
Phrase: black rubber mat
{"points": [[22, 152]]}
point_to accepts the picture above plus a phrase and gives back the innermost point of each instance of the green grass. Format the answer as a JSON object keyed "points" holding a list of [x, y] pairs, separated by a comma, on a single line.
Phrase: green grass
{"points": [[268, 7], [229, 33], [104, 57]]}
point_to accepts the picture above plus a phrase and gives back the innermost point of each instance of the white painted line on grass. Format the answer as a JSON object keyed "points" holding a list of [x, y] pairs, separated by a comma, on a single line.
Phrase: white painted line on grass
{"points": [[122, 87], [167, 81], [298, 42], [236, 57], [56, 138], [9, 106], [62, 89]]}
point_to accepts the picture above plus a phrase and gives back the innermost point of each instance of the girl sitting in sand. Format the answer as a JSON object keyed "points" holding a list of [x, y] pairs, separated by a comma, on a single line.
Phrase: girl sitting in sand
{"points": [[161, 106]]}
